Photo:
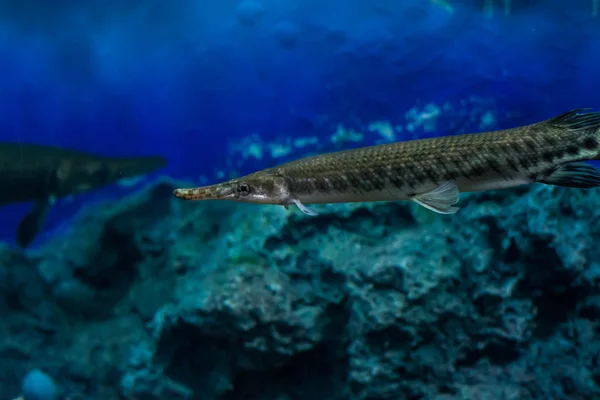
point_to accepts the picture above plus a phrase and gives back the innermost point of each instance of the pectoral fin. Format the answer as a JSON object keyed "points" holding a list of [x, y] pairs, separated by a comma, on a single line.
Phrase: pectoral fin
{"points": [[32, 223], [304, 209], [441, 199]]}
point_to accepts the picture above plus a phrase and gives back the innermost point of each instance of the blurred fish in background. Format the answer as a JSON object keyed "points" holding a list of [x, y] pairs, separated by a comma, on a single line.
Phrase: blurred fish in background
{"points": [[43, 174]]}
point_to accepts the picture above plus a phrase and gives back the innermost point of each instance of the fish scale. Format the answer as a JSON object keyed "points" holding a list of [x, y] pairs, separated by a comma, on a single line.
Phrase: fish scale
{"points": [[432, 172]]}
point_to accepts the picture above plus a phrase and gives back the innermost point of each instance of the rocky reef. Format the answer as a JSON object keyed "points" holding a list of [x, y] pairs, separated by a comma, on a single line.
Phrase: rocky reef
{"points": [[152, 298]]}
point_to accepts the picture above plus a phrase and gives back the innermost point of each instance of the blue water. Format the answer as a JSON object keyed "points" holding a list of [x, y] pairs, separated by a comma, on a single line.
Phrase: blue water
{"points": [[189, 79]]}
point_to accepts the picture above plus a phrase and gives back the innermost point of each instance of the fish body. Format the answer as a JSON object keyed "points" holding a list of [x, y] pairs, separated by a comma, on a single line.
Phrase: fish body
{"points": [[432, 172], [43, 174]]}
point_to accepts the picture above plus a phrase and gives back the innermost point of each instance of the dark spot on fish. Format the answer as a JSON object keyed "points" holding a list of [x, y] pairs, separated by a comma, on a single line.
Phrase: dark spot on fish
{"points": [[516, 148], [530, 144], [468, 171], [421, 176], [459, 166], [548, 156], [448, 176], [394, 177], [430, 174], [494, 165], [379, 185], [559, 153], [512, 164], [550, 141], [590, 143], [572, 150], [411, 180], [377, 180], [339, 183], [414, 176], [366, 182], [335, 183], [524, 162], [478, 170], [307, 186], [535, 159], [354, 181]]}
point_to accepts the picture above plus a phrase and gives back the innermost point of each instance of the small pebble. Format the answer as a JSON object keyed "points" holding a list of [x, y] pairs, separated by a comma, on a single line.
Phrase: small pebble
{"points": [[37, 385]]}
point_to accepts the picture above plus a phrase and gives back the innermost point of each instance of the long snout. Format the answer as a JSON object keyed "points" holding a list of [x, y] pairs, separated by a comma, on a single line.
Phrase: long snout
{"points": [[221, 191]]}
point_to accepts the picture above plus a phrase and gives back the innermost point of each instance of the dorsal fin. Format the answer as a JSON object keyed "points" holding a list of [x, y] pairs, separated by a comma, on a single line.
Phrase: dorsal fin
{"points": [[576, 119]]}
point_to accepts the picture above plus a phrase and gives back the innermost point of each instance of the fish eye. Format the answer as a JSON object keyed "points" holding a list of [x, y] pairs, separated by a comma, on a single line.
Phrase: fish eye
{"points": [[243, 189]]}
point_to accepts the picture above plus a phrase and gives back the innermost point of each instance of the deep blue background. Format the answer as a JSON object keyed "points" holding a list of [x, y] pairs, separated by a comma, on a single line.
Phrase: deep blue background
{"points": [[183, 78]]}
